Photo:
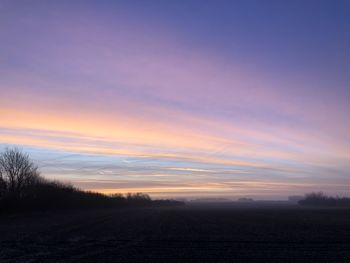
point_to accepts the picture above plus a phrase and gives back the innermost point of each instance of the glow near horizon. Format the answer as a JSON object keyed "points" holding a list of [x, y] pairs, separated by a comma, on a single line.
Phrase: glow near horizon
{"points": [[116, 104]]}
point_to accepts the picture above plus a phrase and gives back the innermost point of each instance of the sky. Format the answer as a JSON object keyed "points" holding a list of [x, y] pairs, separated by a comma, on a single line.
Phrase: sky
{"points": [[180, 99]]}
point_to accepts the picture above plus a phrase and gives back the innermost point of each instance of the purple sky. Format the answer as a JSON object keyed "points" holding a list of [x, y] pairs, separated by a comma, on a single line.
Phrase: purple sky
{"points": [[180, 98]]}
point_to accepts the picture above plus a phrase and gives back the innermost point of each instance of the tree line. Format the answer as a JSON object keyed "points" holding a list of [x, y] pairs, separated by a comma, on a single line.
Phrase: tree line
{"points": [[23, 188], [323, 200]]}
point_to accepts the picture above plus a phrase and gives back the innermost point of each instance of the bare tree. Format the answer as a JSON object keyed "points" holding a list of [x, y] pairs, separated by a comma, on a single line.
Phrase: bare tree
{"points": [[17, 171], [2, 186]]}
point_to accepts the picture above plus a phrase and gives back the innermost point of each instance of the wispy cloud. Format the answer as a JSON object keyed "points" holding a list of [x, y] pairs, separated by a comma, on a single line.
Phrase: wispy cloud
{"points": [[134, 104]]}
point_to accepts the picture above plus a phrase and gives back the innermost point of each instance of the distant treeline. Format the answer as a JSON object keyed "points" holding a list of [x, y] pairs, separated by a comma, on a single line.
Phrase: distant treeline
{"points": [[22, 188], [321, 199]]}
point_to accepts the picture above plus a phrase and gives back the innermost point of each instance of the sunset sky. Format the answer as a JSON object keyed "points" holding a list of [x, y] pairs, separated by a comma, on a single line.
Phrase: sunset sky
{"points": [[180, 98]]}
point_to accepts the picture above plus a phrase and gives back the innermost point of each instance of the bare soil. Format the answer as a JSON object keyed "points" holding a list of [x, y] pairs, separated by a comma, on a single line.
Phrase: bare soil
{"points": [[194, 233]]}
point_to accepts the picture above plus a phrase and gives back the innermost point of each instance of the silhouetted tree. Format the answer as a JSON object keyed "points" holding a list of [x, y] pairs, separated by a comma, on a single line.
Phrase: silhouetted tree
{"points": [[2, 186], [17, 172], [138, 198]]}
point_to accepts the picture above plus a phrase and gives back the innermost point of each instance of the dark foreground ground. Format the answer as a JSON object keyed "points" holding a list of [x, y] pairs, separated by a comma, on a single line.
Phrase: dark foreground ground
{"points": [[193, 233]]}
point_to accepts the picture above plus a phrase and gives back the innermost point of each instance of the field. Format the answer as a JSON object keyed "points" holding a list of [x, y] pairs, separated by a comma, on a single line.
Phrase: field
{"points": [[194, 233]]}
